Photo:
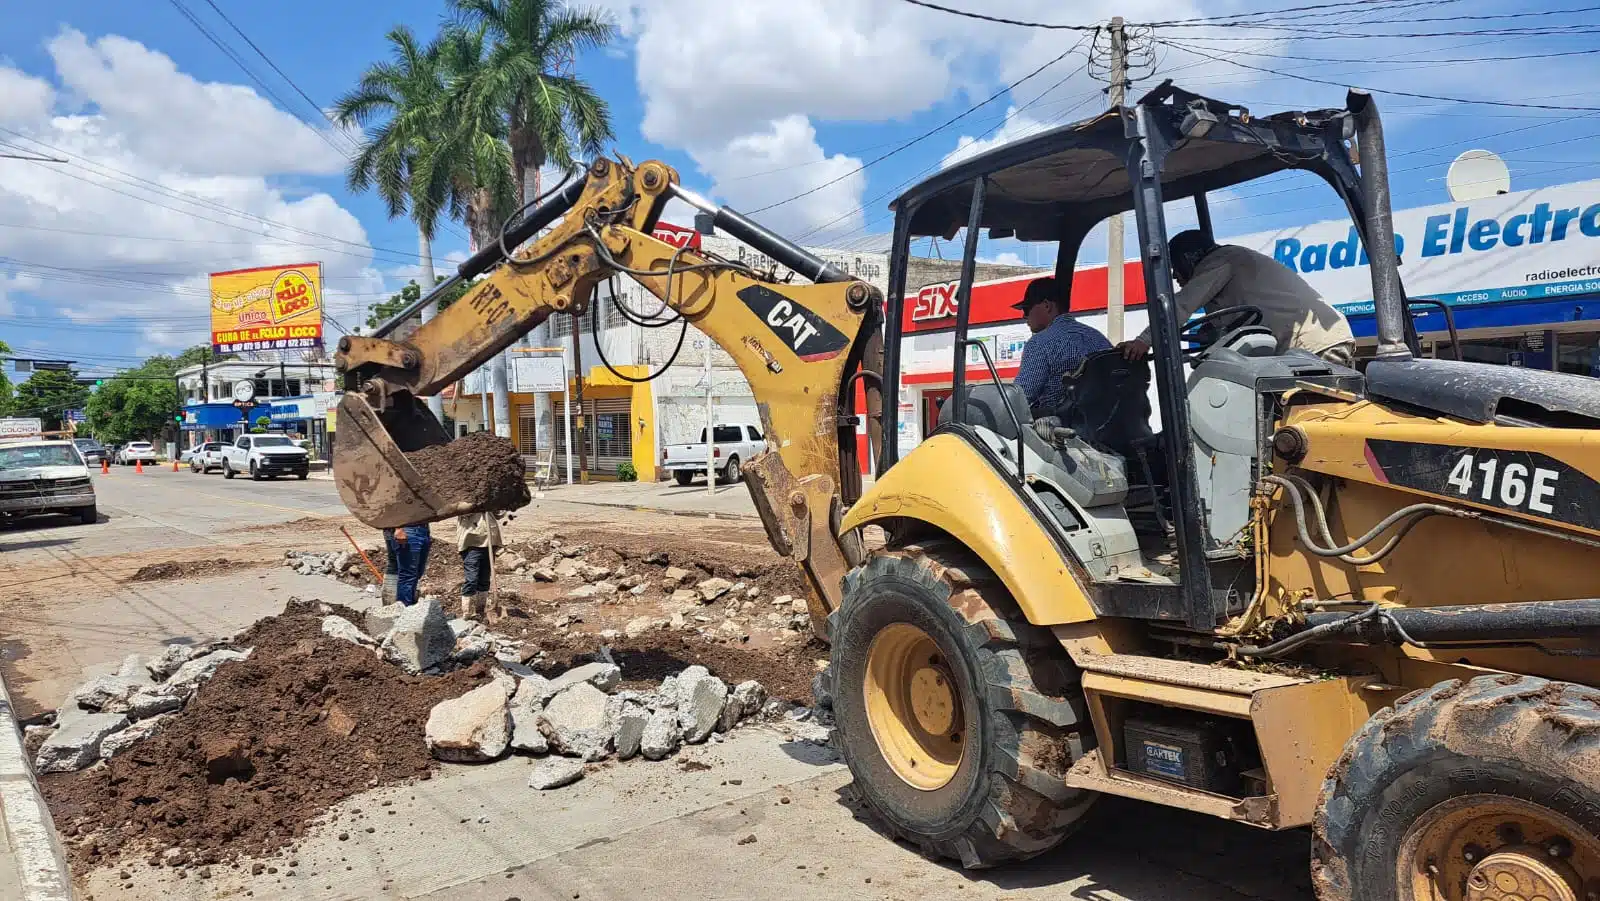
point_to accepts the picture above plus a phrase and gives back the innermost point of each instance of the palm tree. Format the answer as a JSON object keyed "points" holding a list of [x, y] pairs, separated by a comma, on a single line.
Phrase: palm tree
{"points": [[408, 94], [551, 116]]}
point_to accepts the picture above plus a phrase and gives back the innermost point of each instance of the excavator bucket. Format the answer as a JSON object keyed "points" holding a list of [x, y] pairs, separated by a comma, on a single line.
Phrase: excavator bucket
{"points": [[376, 480]]}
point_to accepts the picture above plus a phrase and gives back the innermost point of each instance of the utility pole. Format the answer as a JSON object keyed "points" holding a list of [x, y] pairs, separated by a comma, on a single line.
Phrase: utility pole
{"points": [[583, 418], [711, 429], [1114, 261], [435, 403]]}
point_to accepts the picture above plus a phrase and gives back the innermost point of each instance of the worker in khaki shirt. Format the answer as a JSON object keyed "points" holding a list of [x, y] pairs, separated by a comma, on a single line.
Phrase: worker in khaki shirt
{"points": [[477, 535], [1216, 276]]}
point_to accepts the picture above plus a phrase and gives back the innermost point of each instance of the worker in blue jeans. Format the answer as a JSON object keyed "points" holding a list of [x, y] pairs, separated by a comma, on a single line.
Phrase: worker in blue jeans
{"points": [[412, 544]]}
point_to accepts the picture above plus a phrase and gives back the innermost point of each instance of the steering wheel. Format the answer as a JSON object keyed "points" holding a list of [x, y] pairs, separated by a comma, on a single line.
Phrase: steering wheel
{"points": [[1201, 333]]}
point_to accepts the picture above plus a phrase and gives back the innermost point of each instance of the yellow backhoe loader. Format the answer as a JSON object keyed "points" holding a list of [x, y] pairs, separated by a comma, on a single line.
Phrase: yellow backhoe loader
{"points": [[1360, 601]]}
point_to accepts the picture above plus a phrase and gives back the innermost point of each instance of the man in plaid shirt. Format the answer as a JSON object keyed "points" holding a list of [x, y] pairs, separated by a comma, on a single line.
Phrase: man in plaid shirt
{"points": [[1058, 345]]}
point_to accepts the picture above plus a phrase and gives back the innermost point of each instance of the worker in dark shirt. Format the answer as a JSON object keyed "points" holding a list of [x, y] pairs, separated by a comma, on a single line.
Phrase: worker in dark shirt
{"points": [[1058, 345]]}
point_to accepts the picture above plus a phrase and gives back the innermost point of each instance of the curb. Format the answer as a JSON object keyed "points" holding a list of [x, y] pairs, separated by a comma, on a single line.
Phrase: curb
{"points": [[646, 508], [36, 852]]}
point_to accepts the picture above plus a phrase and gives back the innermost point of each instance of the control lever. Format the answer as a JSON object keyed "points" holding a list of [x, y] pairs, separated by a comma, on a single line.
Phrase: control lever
{"points": [[1049, 428]]}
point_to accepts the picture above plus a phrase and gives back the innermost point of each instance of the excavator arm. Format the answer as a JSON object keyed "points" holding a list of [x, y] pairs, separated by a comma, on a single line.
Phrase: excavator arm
{"points": [[800, 347]]}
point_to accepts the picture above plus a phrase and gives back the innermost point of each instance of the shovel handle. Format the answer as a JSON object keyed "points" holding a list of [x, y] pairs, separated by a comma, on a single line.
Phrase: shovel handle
{"points": [[375, 574]]}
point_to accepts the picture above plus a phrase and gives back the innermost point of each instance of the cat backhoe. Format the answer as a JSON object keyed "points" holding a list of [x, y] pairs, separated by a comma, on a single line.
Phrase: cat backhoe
{"points": [[1361, 601]]}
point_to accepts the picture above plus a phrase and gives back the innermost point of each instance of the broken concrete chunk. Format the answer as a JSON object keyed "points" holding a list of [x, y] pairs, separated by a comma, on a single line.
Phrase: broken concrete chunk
{"points": [[566, 568], [134, 670], [711, 589], [701, 697], [544, 574], [660, 737], [199, 669], [604, 676], [798, 605], [76, 744], [685, 597], [420, 637], [555, 772], [108, 693], [606, 589], [470, 648], [526, 705], [472, 728], [345, 630], [576, 723], [676, 576], [630, 730], [639, 625], [379, 620], [584, 593], [168, 662], [748, 696], [145, 704]]}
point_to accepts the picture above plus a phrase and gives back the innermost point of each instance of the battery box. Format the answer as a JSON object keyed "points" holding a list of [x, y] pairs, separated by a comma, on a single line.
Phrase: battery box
{"points": [[1204, 753]]}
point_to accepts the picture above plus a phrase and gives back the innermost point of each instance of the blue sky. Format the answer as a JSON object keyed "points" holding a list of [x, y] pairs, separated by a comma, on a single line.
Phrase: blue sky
{"points": [[103, 259]]}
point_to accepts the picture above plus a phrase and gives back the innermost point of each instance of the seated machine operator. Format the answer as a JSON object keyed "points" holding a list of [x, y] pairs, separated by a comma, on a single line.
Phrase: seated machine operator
{"points": [[1215, 276], [1058, 345]]}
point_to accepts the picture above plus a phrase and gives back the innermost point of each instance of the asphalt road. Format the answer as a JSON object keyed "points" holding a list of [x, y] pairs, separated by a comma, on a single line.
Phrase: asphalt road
{"points": [[636, 831]]}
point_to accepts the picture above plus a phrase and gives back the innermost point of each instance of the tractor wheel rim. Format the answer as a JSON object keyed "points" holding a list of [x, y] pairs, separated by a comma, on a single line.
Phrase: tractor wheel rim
{"points": [[913, 707], [1497, 848]]}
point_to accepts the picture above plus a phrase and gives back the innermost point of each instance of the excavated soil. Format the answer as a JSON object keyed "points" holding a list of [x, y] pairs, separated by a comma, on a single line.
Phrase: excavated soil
{"points": [[481, 468], [262, 750], [187, 569]]}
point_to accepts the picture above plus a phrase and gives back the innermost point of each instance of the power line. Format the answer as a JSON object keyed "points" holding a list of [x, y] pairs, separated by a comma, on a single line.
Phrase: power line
{"points": [[1414, 94], [998, 19], [927, 134]]}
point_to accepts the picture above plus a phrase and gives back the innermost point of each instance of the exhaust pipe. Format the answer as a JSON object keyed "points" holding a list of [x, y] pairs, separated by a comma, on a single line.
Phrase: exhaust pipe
{"points": [[1388, 299]]}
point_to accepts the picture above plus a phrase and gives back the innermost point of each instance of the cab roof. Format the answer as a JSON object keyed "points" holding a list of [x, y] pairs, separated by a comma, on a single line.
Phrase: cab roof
{"points": [[1042, 185]]}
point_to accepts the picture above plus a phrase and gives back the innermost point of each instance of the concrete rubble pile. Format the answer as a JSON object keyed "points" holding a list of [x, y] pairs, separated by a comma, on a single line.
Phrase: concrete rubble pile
{"points": [[334, 565], [108, 714], [582, 716]]}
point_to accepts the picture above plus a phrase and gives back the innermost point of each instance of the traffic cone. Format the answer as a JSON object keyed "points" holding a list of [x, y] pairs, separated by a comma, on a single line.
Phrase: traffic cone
{"points": [[174, 464], [138, 467], [105, 466]]}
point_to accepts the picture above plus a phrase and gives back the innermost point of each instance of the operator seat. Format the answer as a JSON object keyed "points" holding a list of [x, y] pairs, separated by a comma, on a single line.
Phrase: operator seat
{"points": [[1089, 476], [1108, 402]]}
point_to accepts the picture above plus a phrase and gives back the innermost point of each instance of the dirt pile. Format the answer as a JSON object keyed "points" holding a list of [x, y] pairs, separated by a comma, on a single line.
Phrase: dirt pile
{"points": [[262, 750], [186, 569], [481, 468]]}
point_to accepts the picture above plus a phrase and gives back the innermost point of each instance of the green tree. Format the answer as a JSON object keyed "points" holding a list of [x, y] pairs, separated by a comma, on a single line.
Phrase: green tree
{"points": [[201, 353], [551, 116], [137, 403], [6, 391], [48, 394], [382, 311]]}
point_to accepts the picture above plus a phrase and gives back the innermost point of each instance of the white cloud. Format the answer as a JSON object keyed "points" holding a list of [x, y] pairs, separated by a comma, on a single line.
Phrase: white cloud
{"points": [[169, 179], [789, 144], [171, 119], [1004, 259], [1016, 127]]}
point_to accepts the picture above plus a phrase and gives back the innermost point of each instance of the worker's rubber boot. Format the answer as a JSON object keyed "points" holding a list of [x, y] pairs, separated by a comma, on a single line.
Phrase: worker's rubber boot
{"points": [[468, 603], [391, 588]]}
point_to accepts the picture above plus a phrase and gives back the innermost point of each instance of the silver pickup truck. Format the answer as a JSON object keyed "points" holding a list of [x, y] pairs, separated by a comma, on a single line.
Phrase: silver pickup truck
{"points": [[44, 477]]}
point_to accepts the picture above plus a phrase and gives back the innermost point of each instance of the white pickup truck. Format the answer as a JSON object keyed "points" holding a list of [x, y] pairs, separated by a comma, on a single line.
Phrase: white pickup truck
{"points": [[733, 444], [265, 456]]}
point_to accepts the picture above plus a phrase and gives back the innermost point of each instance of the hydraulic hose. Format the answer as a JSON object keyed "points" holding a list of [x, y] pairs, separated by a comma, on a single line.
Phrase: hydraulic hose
{"points": [[1412, 515]]}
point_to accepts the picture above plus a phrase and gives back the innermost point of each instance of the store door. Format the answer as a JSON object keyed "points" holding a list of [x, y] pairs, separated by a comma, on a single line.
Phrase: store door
{"points": [[613, 435]]}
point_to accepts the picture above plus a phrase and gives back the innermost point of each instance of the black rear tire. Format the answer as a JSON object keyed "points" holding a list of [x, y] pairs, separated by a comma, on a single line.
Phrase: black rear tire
{"points": [[1025, 721], [88, 515], [301, 475], [1509, 740], [683, 477], [227, 470], [731, 473]]}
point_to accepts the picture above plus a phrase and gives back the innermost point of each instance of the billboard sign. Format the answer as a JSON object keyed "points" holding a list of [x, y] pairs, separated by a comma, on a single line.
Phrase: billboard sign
{"points": [[1521, 246], [268, 308]]}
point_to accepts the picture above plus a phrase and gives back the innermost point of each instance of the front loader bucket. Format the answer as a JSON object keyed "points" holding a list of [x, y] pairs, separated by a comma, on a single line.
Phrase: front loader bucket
{"points": [[376, 481]]}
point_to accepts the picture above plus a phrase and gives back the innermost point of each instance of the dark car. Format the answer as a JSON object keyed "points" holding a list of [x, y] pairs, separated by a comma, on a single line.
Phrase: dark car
{"points": [[91, 451]]}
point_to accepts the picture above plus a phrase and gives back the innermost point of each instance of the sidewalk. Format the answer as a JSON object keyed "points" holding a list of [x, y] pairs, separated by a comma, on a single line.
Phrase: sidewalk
{"points": [[32, 865]]}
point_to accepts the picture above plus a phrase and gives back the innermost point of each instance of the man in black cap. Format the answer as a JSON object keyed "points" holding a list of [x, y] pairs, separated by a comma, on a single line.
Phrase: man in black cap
{"points": [[1215, 276], [1058, 345]]}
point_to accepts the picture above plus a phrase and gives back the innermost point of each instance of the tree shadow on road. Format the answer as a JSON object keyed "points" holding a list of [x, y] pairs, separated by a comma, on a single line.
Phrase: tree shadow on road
{"points": [[1143, 852], [34, 545]]}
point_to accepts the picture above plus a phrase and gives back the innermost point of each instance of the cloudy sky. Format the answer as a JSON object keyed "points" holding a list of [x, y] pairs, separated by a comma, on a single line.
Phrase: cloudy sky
{"points": [[178, 163]]}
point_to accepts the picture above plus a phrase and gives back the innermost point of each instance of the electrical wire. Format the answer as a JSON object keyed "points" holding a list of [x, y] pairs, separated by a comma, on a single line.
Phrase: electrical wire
{"points": [[925, 135], [998, 19]]}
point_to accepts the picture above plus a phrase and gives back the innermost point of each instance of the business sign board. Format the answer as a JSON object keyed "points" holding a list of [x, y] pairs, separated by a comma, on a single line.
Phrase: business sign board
{"points": [[268, 308], [677, 235], [538, 374], [1512, 247], [20, 425]]}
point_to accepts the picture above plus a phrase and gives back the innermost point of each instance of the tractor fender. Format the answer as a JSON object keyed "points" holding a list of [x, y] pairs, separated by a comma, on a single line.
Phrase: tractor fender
{"points": [[945, 483]]}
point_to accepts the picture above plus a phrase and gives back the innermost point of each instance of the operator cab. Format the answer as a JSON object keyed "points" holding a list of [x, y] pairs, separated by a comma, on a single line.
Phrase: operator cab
{"points": [[1157, 516]]}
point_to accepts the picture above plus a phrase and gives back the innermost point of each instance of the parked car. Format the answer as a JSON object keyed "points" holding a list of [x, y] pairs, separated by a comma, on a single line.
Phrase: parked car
{"points": [[136, 452], [91, 451], [732, 443], [265, 456], [205, 457], [45, 477]]}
